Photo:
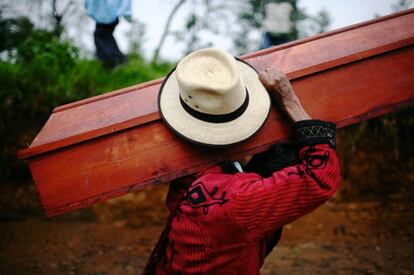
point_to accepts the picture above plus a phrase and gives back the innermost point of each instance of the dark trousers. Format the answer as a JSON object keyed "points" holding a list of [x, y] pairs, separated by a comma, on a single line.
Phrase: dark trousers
{"points": [[106, 48], [273, 40]]}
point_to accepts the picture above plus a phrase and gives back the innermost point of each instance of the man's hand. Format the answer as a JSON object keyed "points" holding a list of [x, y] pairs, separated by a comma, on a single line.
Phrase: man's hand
{"points": [[279, 88], [278, 85]]}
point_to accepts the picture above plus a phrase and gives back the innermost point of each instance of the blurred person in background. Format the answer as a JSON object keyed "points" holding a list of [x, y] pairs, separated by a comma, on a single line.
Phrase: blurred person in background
{"points": [[106, 13], [277, 24]]}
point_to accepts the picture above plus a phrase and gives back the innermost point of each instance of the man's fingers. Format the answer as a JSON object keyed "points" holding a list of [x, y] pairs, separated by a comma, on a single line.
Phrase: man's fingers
{"points": [[278, 75], [277, 83], [264, 76], [272, 78], [265, 79]]}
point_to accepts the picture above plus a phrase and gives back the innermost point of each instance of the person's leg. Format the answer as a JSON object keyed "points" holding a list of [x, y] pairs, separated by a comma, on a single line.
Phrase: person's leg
{"points": [[279, 39], [99, 37], [266, 43], [106, 48], [118, 56]]}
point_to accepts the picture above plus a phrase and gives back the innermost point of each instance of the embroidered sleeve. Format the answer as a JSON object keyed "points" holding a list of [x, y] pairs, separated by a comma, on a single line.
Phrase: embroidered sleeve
{"points": [[265, 205]]}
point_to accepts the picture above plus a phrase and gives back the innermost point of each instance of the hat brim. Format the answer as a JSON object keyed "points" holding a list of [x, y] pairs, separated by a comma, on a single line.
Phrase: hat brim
{"points": [[215, 134]]}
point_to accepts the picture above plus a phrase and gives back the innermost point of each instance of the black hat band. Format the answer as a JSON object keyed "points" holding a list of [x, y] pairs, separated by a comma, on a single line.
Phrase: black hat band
{"points": [[217, 118]]}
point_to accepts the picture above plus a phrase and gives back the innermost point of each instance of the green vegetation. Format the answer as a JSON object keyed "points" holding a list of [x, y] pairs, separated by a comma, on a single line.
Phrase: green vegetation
{"points": [[42, 72]]}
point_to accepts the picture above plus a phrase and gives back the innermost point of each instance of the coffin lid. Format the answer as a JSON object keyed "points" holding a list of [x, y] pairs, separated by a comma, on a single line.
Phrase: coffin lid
{"points": [[136, 105]]}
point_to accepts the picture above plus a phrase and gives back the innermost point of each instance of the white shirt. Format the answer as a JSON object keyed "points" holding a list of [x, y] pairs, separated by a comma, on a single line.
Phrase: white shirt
{"points": [[277, 18]]}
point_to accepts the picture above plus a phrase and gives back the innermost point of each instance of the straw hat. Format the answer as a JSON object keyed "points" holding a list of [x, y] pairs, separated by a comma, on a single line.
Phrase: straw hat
{"points": [[213, 99]]}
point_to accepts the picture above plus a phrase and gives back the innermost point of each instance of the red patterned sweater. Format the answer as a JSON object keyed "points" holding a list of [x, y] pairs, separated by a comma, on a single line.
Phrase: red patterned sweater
{"points": [[220, 224]]}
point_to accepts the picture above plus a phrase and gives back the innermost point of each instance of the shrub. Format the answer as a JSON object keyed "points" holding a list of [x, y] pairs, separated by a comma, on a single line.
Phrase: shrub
{"points": [[44, 72]]}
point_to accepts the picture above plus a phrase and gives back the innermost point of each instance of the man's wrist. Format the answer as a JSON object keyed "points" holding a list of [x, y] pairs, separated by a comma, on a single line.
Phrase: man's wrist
{"points": [[294, 110]]}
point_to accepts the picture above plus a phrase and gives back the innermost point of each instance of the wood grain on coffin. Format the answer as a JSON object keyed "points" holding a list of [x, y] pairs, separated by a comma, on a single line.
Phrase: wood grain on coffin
{"points": [[131, 107], [95, 170]]}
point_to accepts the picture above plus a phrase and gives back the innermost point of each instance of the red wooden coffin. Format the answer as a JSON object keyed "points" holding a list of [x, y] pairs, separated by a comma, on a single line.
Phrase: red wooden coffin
{"points": [[108, 145]]}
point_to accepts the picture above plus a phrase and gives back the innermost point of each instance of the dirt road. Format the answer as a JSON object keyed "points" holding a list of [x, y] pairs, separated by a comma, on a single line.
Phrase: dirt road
{"points": [[361, 237]]}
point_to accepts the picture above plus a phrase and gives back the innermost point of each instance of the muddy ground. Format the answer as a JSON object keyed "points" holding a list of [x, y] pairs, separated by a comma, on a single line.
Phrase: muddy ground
{"points": [[367, 228]]}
